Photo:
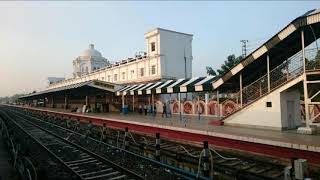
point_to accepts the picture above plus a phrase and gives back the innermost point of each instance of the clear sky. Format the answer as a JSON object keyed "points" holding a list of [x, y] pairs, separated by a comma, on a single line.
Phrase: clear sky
{"points": [[40, 39]]}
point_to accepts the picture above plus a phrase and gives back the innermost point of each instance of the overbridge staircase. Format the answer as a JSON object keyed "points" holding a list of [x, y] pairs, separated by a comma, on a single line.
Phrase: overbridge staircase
{"points": [[282, 78]]}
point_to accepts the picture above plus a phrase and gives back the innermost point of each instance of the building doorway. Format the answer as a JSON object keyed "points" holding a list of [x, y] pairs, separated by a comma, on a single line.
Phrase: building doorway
{"points": [[291, 115]]}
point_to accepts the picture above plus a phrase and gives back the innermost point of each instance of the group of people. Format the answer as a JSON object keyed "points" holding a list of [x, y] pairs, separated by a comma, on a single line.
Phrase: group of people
{"points": [[152, 109]]}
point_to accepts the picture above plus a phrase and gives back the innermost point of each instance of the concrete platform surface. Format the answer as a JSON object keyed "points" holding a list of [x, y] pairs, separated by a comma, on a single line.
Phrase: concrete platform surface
{"points": [[191, 124]]}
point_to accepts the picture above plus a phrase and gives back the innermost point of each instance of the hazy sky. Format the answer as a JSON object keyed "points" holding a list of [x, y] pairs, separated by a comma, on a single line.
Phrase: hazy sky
{"points": [[40, 39]]}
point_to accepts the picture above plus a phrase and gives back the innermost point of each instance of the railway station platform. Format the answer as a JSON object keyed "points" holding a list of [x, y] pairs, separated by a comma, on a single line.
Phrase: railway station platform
{"points": [[280, 144]]}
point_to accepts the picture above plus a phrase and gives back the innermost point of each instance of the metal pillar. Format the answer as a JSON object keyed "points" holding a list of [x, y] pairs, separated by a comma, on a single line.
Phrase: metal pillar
{"points": [[158, 146], [240, 81], [206, 101], [65, 101], [133, 103], [152, 99], [87, 100], [198, 107], [218, 103], [268, 71], [305, 87], [180, 107], [52, 101]]}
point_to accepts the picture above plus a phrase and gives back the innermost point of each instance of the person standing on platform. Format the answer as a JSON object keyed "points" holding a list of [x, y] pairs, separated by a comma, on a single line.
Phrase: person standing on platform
{"points": [[154, 110], [164, 111], [140, 109], [145, 109]]}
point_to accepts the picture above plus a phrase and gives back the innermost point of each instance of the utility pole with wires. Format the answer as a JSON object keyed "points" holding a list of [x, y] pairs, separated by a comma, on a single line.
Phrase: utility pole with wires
{"points": [[244, 48]]}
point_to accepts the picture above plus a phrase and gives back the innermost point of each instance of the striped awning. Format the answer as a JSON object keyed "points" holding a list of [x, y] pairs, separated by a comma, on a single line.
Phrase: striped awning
{"points": [[205, 84], [162, 89], [143, 88], [170, 86], [175, 87], [134, 89], [153, 87], [189, 85]]}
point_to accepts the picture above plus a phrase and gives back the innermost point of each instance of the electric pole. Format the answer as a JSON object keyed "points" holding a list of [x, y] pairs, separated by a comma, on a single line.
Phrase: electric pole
{"points": [[244, 48]]}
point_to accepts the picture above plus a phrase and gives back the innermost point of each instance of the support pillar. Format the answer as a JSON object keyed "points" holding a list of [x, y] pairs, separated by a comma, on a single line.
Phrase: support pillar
{"points": [[133, 103], [206, 99], [65, 101], [268, 71], [305, 86], [240, 81], [152, 99], [87, 100], [218, 104], [199, 107], [180, 113], [122, 110], [52, 101]]}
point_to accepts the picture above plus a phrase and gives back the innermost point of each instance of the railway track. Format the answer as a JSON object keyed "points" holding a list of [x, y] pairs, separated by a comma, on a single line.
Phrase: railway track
{"points": [[142, 166], [85, 164]]}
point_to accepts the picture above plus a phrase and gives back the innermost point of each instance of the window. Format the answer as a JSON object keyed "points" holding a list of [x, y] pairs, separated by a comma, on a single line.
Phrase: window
{"points": [[141, 72], [94, 68], [132, 73], [102, 78], [153, 46], [269, 104], [109, 78], [115, 77], [153, 69], [123, 75]]}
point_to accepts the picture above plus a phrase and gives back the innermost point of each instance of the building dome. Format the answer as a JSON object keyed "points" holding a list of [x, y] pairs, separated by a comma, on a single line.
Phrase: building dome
{"points": [[91, 52]]}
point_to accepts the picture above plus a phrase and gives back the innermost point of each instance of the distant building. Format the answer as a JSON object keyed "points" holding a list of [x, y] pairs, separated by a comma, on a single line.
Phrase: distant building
{"points": [[168, 56], [88, 61], [52, 80]]}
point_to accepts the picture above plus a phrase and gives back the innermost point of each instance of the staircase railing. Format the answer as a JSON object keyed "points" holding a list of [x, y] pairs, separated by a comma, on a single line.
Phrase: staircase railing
{"points": [[283, 73]]}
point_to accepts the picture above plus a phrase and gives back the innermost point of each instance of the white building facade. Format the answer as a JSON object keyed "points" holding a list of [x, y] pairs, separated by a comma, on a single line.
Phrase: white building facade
{"points": [[168, 56]]}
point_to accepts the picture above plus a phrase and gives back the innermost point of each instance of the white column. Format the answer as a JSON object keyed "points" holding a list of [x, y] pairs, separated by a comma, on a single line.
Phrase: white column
{"points": [[240, 81], [268, 71], [305, 87]]}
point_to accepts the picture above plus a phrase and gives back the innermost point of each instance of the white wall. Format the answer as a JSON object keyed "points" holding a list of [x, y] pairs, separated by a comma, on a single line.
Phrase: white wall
{"points": [[275, 117]]}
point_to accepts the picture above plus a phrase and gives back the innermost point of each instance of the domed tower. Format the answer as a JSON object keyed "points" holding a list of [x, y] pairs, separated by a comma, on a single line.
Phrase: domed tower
{"points": [[89, 60]]}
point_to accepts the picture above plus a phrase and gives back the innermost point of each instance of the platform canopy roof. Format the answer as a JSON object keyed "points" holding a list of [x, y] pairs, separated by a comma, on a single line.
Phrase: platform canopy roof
{"points": [[102, 86], [280, 47], [196, 84]]}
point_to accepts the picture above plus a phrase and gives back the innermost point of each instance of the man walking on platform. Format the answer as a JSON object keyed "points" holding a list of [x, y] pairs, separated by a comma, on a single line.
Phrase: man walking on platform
{"points": [[164, 111]]}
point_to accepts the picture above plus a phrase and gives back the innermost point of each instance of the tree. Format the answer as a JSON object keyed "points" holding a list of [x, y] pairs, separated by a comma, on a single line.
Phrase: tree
{"points": [[231, 61]]}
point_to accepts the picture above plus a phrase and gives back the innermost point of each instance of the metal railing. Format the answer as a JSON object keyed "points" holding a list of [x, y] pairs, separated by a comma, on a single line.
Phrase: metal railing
{"points": [[283, 73]]}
